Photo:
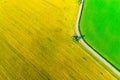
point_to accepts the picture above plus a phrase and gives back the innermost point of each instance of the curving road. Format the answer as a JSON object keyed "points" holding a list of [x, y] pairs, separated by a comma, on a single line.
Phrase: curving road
{"points": [[87, 46]]}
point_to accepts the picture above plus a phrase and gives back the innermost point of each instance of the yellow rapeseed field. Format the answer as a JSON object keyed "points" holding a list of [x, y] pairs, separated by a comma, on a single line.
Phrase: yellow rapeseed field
{"points": [[36, 42]]}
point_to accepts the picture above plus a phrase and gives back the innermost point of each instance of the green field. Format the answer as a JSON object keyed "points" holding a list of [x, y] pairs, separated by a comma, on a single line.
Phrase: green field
{"points": [[100, 23]]}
